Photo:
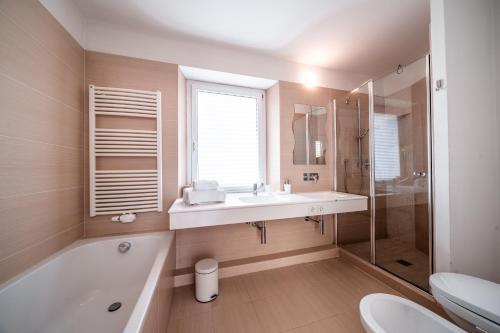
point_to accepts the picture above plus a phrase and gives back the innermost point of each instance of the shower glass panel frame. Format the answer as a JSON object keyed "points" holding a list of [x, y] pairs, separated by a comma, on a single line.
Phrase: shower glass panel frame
{"points": [[404, 122]]}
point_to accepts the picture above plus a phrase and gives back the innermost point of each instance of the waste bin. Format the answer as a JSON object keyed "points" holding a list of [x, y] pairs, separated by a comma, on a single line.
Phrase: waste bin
{"points": [[206, 280]]}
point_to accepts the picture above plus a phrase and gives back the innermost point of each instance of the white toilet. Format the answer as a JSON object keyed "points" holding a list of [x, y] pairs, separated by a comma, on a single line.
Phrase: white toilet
{"points": [[384, 313], [473, 303]]}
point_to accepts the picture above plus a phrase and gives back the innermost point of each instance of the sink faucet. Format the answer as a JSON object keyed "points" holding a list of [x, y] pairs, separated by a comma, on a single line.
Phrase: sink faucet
{"points": [[257, 187]]}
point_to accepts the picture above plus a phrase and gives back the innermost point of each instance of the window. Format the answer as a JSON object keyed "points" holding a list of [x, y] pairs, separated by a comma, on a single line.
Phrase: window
{"points": [[227, 138], [387, 164]]}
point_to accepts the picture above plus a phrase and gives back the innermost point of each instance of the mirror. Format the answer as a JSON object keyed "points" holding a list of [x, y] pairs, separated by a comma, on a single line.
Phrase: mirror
{"points": [[309, 131]]}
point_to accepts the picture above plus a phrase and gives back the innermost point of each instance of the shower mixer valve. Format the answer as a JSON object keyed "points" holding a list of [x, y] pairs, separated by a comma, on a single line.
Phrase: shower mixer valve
{"points": [[311, 176]]}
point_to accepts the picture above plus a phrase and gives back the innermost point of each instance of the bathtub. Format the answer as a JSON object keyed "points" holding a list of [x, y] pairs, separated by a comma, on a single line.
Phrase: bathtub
{"points": [[72, 290]]}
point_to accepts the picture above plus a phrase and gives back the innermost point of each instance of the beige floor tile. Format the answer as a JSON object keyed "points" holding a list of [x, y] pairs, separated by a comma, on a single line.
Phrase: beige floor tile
{"points": [[282, 312], [232, 291], [334, 324], [236, 318], [265, 284], [197, 323], [184, 304]]}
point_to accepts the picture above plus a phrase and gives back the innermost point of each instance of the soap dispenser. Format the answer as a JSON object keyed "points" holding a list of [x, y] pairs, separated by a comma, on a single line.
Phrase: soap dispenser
{"points": [[287, 187]]}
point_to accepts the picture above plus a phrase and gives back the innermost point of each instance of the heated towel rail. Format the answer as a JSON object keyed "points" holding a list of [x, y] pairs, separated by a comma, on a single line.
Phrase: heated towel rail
{"points": [[115, 191]]}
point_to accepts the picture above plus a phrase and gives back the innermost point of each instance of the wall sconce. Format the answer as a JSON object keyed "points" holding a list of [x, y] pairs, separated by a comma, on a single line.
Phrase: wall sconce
{"points": [[310, 79]]}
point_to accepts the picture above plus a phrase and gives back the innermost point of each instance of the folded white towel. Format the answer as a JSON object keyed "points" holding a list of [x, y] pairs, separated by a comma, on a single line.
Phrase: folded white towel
{"points": [[205, 185], [192, 197]]}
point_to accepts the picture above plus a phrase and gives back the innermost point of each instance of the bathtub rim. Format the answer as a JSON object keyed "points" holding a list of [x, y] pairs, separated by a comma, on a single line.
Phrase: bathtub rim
{"points": [[137, 317]]}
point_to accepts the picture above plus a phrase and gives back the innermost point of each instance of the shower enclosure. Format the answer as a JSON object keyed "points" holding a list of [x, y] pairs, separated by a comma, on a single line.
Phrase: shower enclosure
{"points": [[383, 151]]}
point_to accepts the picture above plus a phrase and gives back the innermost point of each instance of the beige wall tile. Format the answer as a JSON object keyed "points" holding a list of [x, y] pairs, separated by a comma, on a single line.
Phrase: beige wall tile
{"points": [[38, 23], [41, 133], [31, 166], [241, 241], [21, 57], [29, 219], [20, 261], [290, 94], [39, 116]]}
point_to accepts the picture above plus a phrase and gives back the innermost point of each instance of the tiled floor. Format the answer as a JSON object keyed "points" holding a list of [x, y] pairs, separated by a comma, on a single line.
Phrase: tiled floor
{"points": [[315, 297], [388, 251]]}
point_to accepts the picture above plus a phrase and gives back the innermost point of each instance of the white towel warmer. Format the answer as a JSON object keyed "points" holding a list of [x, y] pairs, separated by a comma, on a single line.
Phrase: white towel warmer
{"points": [[121, 191]]}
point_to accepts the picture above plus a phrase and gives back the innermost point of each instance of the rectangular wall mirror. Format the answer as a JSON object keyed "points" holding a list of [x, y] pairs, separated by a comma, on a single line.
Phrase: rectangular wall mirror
{"points": [[309, 131]]}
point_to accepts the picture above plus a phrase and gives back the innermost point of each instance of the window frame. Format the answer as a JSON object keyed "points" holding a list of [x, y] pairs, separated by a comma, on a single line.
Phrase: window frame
{"points": [[193, 87]]}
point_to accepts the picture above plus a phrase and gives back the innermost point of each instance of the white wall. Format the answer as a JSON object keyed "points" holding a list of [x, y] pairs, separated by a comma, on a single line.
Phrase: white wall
{"points": [[497, 24], [441, 181], [106, 38], [466, 129], [69, 16]]}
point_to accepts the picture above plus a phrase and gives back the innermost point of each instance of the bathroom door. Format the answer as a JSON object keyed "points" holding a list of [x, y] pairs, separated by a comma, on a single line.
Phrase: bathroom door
{"points": [[401, 162]]}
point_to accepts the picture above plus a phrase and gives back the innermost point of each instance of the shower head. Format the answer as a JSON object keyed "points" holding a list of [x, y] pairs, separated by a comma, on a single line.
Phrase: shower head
{"points": [[348, 98]]}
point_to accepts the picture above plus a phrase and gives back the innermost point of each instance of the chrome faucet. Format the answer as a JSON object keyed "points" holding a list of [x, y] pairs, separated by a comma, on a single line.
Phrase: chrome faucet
{"points": [[124, 247], [257, 187]]}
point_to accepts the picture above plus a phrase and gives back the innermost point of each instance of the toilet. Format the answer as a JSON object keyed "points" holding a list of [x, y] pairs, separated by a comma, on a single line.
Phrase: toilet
{"points": [[473, 303], [384, 313]]}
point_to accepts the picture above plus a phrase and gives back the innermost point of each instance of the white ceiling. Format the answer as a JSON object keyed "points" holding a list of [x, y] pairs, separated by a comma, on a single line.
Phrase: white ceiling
{"points": [[360, 36]]}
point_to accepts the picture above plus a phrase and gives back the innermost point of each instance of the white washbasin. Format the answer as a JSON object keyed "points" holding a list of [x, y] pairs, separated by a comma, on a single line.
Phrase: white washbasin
{"points": [[242, 208], [324, 195], [269, 198], [384, 313]]}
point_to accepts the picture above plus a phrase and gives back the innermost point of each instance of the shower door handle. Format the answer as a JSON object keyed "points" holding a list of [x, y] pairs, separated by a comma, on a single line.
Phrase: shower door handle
{"points": [[419, 173]]}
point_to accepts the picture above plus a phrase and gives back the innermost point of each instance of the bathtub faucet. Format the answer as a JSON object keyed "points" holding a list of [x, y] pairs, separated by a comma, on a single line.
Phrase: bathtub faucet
{"points": [[124, 247]]}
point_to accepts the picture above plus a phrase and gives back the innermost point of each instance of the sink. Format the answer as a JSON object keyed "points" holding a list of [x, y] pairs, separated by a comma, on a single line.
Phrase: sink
{"points": [[265, 198], [245, 207], [324, 195]]}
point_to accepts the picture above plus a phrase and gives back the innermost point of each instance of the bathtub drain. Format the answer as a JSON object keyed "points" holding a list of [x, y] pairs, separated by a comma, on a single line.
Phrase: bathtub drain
{"points": [[115, 306]]}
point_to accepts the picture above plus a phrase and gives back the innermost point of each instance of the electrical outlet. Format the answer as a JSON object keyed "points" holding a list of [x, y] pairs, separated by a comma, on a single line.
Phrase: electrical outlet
{"points": [[315, 210]]}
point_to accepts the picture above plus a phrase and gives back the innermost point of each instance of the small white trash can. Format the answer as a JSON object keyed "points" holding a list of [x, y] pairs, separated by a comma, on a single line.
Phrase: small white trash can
{"points": [[206, 280]]}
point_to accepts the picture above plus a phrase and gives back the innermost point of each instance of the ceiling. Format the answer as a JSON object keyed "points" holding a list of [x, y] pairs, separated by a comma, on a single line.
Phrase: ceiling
{"points": [[361, 36]]}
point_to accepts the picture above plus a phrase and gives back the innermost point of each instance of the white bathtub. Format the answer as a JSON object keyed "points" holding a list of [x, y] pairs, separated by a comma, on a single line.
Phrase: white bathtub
{"points": [[71, 290]]}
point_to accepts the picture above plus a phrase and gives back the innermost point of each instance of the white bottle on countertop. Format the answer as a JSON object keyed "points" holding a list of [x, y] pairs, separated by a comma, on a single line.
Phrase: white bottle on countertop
{"points": [[287, 187]]}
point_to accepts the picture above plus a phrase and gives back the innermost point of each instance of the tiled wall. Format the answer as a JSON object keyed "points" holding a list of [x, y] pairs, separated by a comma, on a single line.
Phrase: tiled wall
{"points": [[290, 94], [124, 72], [41, 136]]}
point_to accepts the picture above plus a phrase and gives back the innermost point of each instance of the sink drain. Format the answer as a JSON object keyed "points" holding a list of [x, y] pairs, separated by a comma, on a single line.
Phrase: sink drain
{"points": [[115, 306]]}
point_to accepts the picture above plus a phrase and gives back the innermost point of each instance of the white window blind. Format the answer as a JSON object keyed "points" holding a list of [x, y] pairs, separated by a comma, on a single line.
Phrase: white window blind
{"points": [[228, 135], [387, 163]]}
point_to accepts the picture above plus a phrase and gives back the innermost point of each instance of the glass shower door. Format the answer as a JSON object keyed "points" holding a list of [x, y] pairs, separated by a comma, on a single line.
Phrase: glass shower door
{"points": [[400, 153], [353, 168]]}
